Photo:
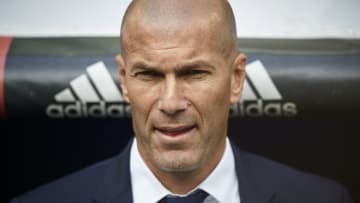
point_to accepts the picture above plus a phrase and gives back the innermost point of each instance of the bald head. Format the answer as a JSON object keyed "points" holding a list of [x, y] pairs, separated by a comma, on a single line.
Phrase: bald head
{"points": [[165, 19]]}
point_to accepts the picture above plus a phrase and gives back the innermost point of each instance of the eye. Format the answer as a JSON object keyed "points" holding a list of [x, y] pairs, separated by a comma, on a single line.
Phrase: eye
{"points": [[147, 75], [195, 73]]}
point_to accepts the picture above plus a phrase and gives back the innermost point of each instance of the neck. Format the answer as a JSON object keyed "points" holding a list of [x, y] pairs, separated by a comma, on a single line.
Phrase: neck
{"points": [[183, 182]]}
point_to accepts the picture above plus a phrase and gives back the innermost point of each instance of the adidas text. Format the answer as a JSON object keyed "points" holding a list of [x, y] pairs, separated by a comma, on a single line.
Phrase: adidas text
{"points": [[259, 108], [89, 110]]}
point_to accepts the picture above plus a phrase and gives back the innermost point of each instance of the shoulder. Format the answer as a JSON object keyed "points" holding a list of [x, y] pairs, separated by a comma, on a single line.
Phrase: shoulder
{"points": [[76, 187], [288, 183]]}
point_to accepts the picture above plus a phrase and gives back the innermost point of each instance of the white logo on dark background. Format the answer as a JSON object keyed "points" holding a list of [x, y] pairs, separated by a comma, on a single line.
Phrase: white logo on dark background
{"points": [[95, 95], [90, 95], [260, 96]]}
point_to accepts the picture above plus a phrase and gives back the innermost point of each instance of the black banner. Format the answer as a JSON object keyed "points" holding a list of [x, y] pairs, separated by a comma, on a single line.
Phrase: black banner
{"points": [[71, 78]]}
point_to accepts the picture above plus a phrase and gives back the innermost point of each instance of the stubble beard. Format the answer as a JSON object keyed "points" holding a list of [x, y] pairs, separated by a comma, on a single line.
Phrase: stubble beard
{"points": [[177, 161]]}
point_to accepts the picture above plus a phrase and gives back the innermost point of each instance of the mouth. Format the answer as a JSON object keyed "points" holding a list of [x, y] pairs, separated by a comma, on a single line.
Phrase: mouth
{"points": [[175, 131]]}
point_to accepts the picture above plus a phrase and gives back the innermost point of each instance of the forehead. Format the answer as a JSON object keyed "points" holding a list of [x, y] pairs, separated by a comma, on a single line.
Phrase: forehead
{"points": [[142, 37], [159, 48]]}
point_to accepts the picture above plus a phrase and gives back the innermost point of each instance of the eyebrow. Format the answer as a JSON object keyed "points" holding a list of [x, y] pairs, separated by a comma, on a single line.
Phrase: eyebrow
{"points": [[179, 68], [142, 66], [196, 64]]}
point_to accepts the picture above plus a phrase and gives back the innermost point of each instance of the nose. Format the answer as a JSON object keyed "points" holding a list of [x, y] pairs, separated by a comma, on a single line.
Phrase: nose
{"points": [[172, 100]]}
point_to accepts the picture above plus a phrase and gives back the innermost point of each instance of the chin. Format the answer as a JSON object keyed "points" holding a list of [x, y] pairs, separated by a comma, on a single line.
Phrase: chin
{"points": [[178, 162], [178, 168]]}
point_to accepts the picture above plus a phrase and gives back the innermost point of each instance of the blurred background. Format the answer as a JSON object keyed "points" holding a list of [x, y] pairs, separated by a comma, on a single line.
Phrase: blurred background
{"points": [[61, 107]]}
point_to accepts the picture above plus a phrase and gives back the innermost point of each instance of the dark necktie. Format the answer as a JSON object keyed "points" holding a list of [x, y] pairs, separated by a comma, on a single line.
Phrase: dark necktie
{"points": [[196, 197]]}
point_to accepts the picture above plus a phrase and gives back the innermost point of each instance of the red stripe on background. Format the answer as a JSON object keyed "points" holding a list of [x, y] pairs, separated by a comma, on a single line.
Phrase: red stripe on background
{"points": [[5, 43]]}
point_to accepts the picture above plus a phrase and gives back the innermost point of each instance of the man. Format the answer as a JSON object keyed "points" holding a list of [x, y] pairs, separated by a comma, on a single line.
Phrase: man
{"points": [[181, 70]]}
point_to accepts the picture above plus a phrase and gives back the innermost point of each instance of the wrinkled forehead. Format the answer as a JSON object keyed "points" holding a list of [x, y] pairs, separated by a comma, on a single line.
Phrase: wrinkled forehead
{"points": [[153, 36]]}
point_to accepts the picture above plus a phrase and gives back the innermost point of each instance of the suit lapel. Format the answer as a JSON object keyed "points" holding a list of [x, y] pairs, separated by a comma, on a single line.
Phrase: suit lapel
{"points": [[116, 186], [251, 188]]}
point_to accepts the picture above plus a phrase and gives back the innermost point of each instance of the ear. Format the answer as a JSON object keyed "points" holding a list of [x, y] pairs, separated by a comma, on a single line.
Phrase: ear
{"points": [[237, 78], [122, 75]]}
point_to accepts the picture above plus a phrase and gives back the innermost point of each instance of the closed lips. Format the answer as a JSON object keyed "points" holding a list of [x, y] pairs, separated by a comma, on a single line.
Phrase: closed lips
{"points": [[174, 131]]}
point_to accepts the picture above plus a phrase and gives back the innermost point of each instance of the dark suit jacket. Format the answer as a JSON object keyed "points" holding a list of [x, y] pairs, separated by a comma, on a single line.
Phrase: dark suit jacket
{"points": [[260, 181]]}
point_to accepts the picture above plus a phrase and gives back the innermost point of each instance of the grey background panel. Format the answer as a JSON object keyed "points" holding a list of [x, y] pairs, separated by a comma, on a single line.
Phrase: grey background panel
{"points": [[257, 18]]}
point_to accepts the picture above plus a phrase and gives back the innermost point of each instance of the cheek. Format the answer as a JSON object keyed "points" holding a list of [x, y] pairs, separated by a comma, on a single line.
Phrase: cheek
{"points": [[214, 94], [140, 94], [142, 99], [212, 101]]}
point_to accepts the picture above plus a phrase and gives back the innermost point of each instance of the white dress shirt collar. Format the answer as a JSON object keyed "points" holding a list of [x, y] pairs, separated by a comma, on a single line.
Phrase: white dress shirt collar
{"points": [[221, 188]]}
